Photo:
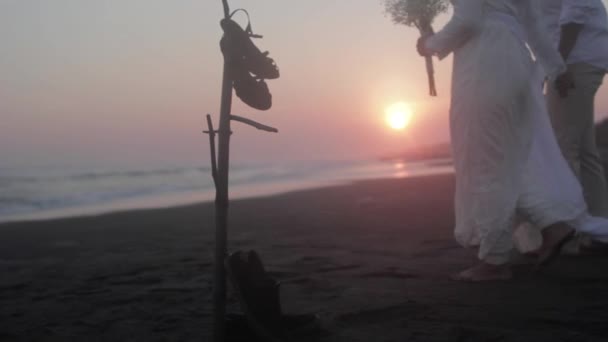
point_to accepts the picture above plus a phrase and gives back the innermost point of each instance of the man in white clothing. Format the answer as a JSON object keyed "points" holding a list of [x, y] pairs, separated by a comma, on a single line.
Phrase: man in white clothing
{"points": [[580, 32]]}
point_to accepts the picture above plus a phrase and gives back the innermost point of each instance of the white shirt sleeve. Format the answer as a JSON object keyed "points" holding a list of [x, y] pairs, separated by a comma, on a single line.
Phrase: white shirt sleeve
{"points": [[540, 42], [576, 11], [464, 23]]}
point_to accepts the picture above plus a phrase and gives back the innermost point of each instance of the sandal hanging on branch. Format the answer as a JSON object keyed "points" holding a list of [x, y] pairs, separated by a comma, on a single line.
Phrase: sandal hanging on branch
{"points": [[254, 92], [246, 52], [249, 67], [419, 14]]}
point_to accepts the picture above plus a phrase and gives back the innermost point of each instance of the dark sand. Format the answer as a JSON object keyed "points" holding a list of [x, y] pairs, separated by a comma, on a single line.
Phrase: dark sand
{"points": [[372, 258]]}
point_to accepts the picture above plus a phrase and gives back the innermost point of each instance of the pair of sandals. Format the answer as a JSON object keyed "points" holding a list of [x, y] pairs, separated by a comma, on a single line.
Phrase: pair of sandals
{"points": [[249, 67], [259, 298]]}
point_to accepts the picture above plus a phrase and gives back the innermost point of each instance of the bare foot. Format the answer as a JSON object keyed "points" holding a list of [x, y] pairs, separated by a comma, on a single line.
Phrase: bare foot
{"points": [[554, 238], [485, 272]]}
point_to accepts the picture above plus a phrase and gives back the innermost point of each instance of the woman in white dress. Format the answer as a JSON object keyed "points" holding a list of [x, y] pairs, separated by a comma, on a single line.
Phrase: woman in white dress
{"points": [[508, 165]]}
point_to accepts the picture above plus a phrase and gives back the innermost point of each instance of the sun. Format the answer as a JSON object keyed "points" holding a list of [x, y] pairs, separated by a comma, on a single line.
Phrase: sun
{"points": [[398, 115]]}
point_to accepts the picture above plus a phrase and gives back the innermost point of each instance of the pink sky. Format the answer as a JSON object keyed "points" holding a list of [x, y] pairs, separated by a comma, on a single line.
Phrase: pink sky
{"points": [[131, 81]]}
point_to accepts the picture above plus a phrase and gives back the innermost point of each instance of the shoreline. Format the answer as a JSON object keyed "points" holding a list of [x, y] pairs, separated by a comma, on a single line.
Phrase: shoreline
{"points": [[189, 198]]}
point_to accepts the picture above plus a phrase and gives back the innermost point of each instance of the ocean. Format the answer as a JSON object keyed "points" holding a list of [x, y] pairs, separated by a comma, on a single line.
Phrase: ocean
{"points": [[35, 193]]}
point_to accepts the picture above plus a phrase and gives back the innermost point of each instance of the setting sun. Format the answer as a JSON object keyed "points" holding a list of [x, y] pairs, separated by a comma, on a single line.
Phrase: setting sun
{"points": [[398, 115]]}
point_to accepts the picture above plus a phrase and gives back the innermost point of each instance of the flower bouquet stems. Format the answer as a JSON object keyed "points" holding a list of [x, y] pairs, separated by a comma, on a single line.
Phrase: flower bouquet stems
{"points": [[419, 14]]}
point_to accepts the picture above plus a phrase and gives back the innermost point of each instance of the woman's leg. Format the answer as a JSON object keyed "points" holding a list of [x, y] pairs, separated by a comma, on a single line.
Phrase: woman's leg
{"points": [[494, 261], [491, 133], [490, 155], [489, 159]]}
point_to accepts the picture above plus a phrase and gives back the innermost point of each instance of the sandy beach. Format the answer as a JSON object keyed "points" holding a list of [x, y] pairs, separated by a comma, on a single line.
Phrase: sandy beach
{"points": [[372, 258]]}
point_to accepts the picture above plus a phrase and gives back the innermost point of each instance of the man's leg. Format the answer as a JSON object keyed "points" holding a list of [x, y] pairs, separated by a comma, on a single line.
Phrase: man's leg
{"points": [[573, 121], [554, 238], [593, 178], [567, 125]]}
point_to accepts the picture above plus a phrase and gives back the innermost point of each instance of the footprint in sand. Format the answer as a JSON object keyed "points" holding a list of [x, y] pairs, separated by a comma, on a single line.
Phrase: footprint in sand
{"points": [[383, 315], [388, 273], [65, 244]]}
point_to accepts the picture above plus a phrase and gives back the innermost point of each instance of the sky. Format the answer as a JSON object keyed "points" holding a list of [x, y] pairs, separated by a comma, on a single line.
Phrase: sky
{"points": [[86, 82]]}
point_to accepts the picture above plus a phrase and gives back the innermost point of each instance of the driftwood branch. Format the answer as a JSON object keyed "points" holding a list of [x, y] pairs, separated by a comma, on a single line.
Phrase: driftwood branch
{"points": [[211, 133], [255, 124]]}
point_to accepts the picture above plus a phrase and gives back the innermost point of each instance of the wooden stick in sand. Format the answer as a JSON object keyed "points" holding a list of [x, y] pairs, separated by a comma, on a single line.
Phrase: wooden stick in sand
{"points": [[220, 165], [221, 200]]}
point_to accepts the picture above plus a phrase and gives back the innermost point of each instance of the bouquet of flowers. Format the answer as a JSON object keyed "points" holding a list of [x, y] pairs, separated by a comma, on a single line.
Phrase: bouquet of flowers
{"points": [[419, 14]]}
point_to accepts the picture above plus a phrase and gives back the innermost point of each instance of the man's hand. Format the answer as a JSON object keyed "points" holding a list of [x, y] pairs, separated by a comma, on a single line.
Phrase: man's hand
{"points": [[563, 84], [421, 46]]}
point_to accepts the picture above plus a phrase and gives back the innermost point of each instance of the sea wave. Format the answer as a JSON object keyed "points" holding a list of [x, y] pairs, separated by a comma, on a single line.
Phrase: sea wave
{"points": [[27, 193], [5, 180]]}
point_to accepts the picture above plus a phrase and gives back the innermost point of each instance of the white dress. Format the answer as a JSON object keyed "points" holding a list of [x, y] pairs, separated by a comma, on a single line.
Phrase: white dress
{"points": [[508, 165]]}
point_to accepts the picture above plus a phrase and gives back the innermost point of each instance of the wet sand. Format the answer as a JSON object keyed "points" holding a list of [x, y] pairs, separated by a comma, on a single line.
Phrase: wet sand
{"points": [[372, 258]]}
